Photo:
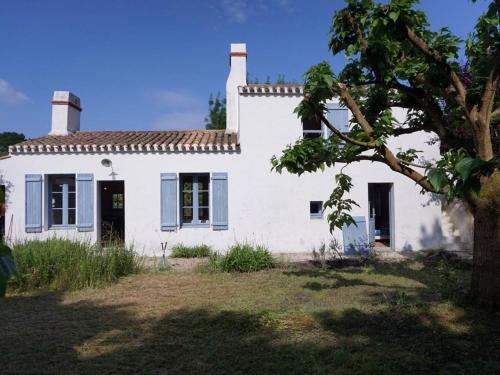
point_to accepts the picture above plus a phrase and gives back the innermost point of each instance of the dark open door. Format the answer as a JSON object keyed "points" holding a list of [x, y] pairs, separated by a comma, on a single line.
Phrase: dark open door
{"points": [[112, 211], [381, 213]]}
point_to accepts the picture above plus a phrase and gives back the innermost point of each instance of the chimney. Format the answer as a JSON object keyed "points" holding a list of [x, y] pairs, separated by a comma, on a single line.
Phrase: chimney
{"points": [[65, 113], [237, 77]]}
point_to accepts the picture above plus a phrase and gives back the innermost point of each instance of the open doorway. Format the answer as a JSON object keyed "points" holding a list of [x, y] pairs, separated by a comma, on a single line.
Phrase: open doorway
{"points": [[112, 211], [381, 214]]}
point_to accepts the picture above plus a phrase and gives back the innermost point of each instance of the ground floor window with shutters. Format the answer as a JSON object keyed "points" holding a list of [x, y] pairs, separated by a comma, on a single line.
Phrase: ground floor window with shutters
{"points": [[62, 201], [195, 198]]}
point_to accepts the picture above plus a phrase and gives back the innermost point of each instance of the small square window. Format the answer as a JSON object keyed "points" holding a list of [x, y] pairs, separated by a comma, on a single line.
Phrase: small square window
{"points": [[117, 200], [316, 209]]}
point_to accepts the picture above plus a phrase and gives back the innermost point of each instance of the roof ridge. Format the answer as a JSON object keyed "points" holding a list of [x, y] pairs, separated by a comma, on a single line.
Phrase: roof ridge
{"points": [[140, 131], [204, 140]]}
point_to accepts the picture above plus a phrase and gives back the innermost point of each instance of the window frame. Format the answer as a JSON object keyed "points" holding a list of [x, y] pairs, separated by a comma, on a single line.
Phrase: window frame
{"points": [[319, 214], [195, 205], [325, 132], [65, 201]]}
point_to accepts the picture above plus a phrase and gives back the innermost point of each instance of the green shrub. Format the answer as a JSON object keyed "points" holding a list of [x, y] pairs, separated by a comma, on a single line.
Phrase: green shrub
{"points": [[181, 251], [242, 258], [62, 264]]}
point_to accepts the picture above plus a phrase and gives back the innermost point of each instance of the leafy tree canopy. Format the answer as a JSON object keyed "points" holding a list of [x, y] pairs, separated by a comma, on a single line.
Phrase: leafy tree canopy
{"points": [[216, 113], [396, 60], [9, 138]]}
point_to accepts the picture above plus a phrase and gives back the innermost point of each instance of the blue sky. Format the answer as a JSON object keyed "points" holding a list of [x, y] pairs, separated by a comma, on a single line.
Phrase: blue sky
{"points": [[152, 64]]}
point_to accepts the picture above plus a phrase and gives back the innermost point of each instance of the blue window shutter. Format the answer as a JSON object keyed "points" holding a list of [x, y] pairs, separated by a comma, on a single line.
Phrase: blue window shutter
{"points": [[33, 202], [355, 237], [338, 117], [168, 201], [85, 202], [219, 201]]}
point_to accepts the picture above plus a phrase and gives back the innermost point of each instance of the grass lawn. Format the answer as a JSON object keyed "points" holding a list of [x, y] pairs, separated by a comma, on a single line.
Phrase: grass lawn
{"points": [[383, 318]]}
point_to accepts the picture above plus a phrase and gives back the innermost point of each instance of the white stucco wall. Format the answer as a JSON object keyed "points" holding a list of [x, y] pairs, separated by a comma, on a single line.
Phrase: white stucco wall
{"points": [[264, 207]]}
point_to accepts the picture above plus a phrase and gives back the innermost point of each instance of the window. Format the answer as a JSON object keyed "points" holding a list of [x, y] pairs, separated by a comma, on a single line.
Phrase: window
{"points": [[312, 128], [62, 200], [338, 117], [194, 199], [117, 201], [316, 209]]}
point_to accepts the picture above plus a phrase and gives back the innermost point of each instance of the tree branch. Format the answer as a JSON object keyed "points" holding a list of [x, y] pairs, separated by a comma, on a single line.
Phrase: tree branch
{"points": [[401, 131], [337, 132], [343, 91], [399, 166], [490, 89], [373, 158], [387, 156], [439, 60], [412, 164]]}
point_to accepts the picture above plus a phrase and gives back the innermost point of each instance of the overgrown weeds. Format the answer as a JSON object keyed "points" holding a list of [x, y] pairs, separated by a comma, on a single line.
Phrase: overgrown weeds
{"points": [[331, 255], [453, 274], [242, 258], [327, 253], [59, 264], [182, 251]]}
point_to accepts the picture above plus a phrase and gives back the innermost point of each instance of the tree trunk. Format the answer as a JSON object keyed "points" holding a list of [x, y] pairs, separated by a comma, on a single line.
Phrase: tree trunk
{"points": [[486, 263]]}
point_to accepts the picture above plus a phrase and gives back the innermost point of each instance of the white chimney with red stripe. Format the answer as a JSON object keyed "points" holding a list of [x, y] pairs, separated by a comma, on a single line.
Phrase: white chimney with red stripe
{"points": [[65, 113]]}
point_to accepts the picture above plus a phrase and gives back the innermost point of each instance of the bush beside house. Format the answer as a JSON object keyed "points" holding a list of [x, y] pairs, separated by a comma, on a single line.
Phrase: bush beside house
{"points": [[199, 251], [59, 264], [242, 258]]}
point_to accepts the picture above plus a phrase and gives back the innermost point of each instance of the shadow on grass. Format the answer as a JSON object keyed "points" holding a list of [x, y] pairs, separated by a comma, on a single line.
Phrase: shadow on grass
{"points": [[340, 282], [440, 278], [40, 334]]}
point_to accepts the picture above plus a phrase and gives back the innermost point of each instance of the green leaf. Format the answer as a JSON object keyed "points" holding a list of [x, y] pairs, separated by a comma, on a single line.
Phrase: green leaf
{"points": [[437, 178], [466, 166], [394, 15]]}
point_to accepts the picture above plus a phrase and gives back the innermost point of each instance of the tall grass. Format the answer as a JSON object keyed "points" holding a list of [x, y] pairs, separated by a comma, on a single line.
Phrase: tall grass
{"points": [[59, 264], [242, 258], [182, 251]]}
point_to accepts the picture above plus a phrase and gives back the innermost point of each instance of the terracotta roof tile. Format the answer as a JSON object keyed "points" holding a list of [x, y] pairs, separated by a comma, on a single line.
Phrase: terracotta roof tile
{"points": [[188, 140]]}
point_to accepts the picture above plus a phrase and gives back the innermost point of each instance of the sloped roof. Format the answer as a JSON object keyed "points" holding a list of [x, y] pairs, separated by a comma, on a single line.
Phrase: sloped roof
{"points": [[132, 141]]}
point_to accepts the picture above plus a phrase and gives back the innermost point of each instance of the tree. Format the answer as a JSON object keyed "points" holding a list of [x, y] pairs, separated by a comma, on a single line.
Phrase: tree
{"points": [[396, 60], [216, 113], [9, 138]]}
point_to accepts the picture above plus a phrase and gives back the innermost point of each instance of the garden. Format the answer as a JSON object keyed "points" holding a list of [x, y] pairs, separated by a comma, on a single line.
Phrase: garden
{"points": [[241, 312]]}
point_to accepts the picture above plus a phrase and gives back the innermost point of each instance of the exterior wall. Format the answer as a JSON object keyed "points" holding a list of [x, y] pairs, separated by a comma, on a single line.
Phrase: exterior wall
{"points": [[268, 125], [264, 207]]}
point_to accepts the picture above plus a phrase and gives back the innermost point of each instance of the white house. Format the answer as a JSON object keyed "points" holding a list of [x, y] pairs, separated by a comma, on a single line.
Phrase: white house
{"points": [[206, 186]]}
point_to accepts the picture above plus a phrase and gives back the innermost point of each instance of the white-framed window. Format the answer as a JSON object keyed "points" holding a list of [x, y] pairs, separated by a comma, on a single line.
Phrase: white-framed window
{"points": [[195, 198], [62, 201], [316, 209], [338, 117]]}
